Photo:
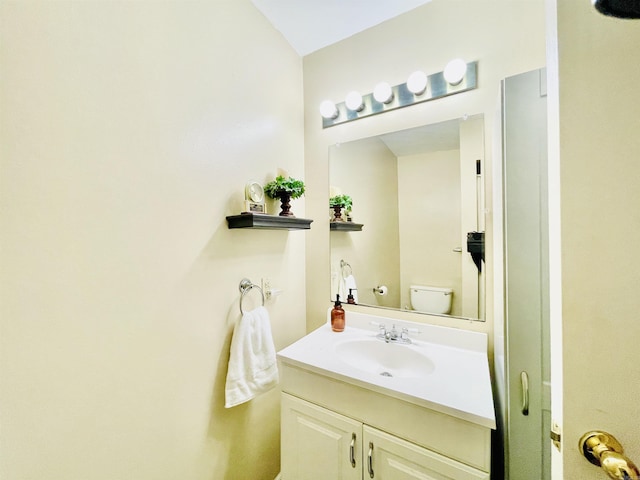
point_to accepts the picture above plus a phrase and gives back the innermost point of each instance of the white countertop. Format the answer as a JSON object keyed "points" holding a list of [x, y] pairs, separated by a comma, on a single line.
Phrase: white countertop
{"points": [[459, 385]]}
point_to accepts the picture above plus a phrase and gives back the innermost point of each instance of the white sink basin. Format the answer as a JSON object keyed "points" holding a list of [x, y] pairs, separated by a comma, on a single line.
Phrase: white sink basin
{"points": [[387, 359], [444, 369]]}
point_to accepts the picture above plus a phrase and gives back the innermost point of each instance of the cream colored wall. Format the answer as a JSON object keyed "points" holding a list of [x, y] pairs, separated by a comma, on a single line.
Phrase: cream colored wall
{"points": [[599, 172], [429, 206], [472, 192], [506, 38], [367, 171], [128, 131]]}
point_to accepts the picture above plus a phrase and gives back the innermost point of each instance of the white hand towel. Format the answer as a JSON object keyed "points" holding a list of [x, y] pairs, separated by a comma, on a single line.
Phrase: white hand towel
{"points": [[341, 291], [350, 283], [252, 362]]}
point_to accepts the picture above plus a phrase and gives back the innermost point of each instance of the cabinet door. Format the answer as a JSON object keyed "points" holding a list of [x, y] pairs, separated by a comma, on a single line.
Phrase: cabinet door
{"points": [[318, 444], [390, 458]]}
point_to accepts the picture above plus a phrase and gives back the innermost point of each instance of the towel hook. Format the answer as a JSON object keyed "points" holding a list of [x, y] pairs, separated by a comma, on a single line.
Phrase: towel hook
{"points": [[245, 286]]}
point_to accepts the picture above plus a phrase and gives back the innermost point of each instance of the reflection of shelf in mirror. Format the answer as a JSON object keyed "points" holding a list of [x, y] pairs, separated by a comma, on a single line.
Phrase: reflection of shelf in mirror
{"points": [[268, 222], [345, 226]]}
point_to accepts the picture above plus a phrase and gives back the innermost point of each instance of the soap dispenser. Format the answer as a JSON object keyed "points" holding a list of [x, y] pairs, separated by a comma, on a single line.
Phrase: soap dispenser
{"points": [[350, 299], [337, 316]]}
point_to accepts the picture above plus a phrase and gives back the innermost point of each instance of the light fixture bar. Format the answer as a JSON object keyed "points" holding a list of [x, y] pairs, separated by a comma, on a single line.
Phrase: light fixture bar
{"points": [[437, 87]]}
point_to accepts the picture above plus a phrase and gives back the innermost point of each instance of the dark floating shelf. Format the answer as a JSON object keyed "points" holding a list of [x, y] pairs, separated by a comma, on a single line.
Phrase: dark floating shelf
{"points": [[345, 226], [268, 222]]}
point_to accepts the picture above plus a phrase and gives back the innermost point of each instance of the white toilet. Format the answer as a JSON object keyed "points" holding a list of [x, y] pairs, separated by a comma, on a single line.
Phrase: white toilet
{"points": [[431, 299]]}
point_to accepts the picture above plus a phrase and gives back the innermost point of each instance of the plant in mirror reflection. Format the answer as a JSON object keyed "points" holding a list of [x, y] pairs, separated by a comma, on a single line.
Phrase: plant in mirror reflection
{"points": [[343, 201]]}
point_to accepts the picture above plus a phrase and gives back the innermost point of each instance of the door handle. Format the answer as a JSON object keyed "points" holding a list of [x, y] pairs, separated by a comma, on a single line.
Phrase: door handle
{"points": [[370, 462], [524, 382], [602, 449]]}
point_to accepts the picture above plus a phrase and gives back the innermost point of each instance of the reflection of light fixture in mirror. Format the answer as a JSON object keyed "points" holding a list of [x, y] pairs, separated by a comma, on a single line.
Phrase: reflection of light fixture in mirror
{"points": [[383, 92], [417, 83], [353, 101], [328, 109], [455, 71]]}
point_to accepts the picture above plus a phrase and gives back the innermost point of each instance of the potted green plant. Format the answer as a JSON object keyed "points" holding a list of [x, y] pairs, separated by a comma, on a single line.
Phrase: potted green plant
{"points": [[285, 189], [339, 202]]}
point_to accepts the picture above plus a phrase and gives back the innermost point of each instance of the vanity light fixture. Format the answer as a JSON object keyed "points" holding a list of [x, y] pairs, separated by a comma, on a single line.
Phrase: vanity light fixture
{"points": [[417, 83], [328, 110], [353, 101], [383, 92], [455, 71], [459, 77]]}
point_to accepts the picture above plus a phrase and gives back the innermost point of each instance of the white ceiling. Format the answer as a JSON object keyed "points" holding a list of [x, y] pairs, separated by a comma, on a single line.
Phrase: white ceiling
{"points": [[309, 25]]}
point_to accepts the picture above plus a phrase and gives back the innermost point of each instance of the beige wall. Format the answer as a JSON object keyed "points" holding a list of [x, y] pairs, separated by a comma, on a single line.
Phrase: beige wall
{"points": [[128, 131], [506, 38], [472, 192], [367, 171], [429, 205], [599, 173]]}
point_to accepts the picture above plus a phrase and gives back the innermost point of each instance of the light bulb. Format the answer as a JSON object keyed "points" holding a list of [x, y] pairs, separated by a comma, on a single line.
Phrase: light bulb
{"points": [[417, 83], [328, 109], [353, 101], [383, 93], [455, 71]]}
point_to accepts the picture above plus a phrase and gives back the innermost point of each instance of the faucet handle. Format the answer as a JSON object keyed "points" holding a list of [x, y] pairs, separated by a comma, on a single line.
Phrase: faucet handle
{"points": [[382, 329], [404, 336]]}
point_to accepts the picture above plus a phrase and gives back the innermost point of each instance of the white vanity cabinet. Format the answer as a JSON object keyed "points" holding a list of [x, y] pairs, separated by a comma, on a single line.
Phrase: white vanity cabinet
{"points": [[388, 457], [318, 444], [355, 406]]}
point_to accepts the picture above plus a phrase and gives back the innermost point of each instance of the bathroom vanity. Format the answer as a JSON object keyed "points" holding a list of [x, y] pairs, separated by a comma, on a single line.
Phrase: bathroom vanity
{"points": [[362, 404]]}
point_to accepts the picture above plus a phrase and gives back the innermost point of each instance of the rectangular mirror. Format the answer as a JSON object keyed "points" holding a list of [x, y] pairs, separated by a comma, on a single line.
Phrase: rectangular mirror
{"points": [[417, 193]]}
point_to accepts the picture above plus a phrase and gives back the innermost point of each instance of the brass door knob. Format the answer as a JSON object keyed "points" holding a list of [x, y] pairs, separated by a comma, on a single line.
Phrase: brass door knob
{"points": [[602, 449]]}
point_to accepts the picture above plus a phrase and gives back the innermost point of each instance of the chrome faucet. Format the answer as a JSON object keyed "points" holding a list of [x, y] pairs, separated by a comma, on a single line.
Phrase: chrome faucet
{"points": [[391, 336]]}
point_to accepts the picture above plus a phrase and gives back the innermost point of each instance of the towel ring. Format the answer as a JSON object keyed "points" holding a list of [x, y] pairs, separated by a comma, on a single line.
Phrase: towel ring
{"points": [[245, 287], [343, 266]]}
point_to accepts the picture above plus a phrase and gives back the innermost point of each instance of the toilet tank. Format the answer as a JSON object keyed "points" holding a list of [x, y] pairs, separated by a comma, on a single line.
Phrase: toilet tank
{"points": [[429, 299]]}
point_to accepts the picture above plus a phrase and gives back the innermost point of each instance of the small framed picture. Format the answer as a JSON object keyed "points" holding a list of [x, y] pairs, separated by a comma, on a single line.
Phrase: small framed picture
{"points": [[254, 207]]}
